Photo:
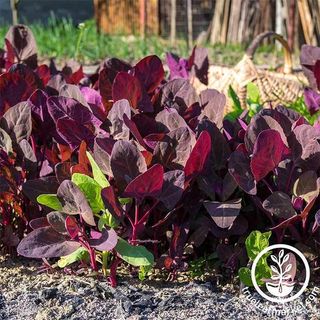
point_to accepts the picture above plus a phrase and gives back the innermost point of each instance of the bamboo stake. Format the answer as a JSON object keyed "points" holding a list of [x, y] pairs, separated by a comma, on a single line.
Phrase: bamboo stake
{"points": [[291, 23], [216, 21], [189, 21], [306, 21], [225, 20], [143, 15], [173, 17], [14, 11]]}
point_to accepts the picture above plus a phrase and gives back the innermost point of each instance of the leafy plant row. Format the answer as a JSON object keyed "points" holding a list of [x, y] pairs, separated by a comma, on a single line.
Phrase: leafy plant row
{"points": [[126, 165]]}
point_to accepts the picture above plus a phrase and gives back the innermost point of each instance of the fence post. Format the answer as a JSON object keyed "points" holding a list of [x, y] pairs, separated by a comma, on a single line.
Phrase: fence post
{"points": [[173, 16], [189, 23], [143, 18], [14, 11]]}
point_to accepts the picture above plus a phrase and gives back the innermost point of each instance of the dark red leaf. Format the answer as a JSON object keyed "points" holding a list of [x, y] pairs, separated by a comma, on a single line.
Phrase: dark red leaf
{"points": [[198, 157], [268, 151], [147, 184]]}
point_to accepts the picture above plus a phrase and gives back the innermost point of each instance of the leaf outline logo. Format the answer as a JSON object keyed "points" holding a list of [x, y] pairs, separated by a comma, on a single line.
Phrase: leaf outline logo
{"points": [[273, 298]]}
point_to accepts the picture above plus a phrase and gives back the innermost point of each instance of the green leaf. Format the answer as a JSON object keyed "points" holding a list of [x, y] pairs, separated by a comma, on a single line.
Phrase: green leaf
{"points": [[78, 255], [235, 99], [124, 201], [253, 95], [108, 220], [134, 255], [98, 175], [262, 271], [91, 189], [245, 276], [256, 242], [144, 271], [233, 115], [50, 200]]}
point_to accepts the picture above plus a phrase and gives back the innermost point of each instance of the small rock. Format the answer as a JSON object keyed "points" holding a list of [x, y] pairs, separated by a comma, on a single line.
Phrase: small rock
{"points": [[144, 302], [49, 293], [127, 305]]}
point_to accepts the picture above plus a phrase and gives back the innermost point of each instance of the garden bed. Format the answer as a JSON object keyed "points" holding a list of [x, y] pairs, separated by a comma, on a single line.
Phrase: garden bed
{"points": [[26, 294]]}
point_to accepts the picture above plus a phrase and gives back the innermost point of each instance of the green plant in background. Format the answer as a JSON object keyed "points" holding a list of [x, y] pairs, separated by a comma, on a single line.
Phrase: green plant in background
{"points": [[56, 39], [236, 105], [255, 243], [300, 106], [82, 30], [198, 267], [253, 99], [253, 102]]}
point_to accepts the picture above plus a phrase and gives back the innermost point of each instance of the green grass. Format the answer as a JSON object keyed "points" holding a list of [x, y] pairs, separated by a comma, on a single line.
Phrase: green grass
{"points": [[60, 39]]}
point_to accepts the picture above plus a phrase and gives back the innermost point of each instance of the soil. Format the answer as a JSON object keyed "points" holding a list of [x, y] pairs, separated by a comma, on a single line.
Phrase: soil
{"points": [[29, 295]]}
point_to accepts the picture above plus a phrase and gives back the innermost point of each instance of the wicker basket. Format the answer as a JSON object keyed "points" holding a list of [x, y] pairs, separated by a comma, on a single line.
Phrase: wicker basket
{"points": [[276, 87]]}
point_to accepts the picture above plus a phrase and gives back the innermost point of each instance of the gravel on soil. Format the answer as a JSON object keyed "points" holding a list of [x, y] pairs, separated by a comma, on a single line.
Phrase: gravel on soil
{"points": [[29, 295]]}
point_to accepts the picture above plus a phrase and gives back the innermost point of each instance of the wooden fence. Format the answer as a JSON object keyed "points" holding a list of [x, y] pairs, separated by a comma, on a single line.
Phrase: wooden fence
{"points": [[125, 16]]}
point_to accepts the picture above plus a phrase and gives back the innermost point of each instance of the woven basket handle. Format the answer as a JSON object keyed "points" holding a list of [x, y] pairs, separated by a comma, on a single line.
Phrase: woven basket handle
{"points": [[287, 53]]}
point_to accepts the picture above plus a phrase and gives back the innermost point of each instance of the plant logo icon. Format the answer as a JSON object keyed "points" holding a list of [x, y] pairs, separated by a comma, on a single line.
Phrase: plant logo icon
{"points": [[281, 284]]}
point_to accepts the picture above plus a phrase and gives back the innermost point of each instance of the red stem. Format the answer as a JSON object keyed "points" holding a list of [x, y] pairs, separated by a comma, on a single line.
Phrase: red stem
{"points": [[33, 144], [146, 215], [113, 271]]}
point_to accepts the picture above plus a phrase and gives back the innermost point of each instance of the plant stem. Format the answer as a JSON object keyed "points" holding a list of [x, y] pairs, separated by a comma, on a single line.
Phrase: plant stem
{"points": [[136, 223], [146, 215], [113, 271], [93, 261], [105, 255], [289, 178], [33, 144]]}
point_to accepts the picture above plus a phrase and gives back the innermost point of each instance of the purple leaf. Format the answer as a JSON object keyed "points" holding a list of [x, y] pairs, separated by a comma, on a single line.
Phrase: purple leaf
{"points": [[178, 67], [57, 221], [23, 42], [102, 153], [127, 162], [111, 202], [150, 72], [200, 64], [74, 133], [118, 129], [178, 94], [239, 168], [74, 202], [213, 103], [39, 223], [17, 122], [175, 148], [259, 123], [172, 188], [198, 157], [223, 213], [171, 119], [126, 86], [268, 151], [134, 130], [63, 107], [46, 243], [312, 100], [34, 188], [220, 150], [308, 57], [104, 241], [147, 184], [279, 205]]}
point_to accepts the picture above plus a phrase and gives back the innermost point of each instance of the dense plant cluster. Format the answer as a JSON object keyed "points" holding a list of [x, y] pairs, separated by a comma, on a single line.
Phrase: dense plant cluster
{"points": [[126, 165]]}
